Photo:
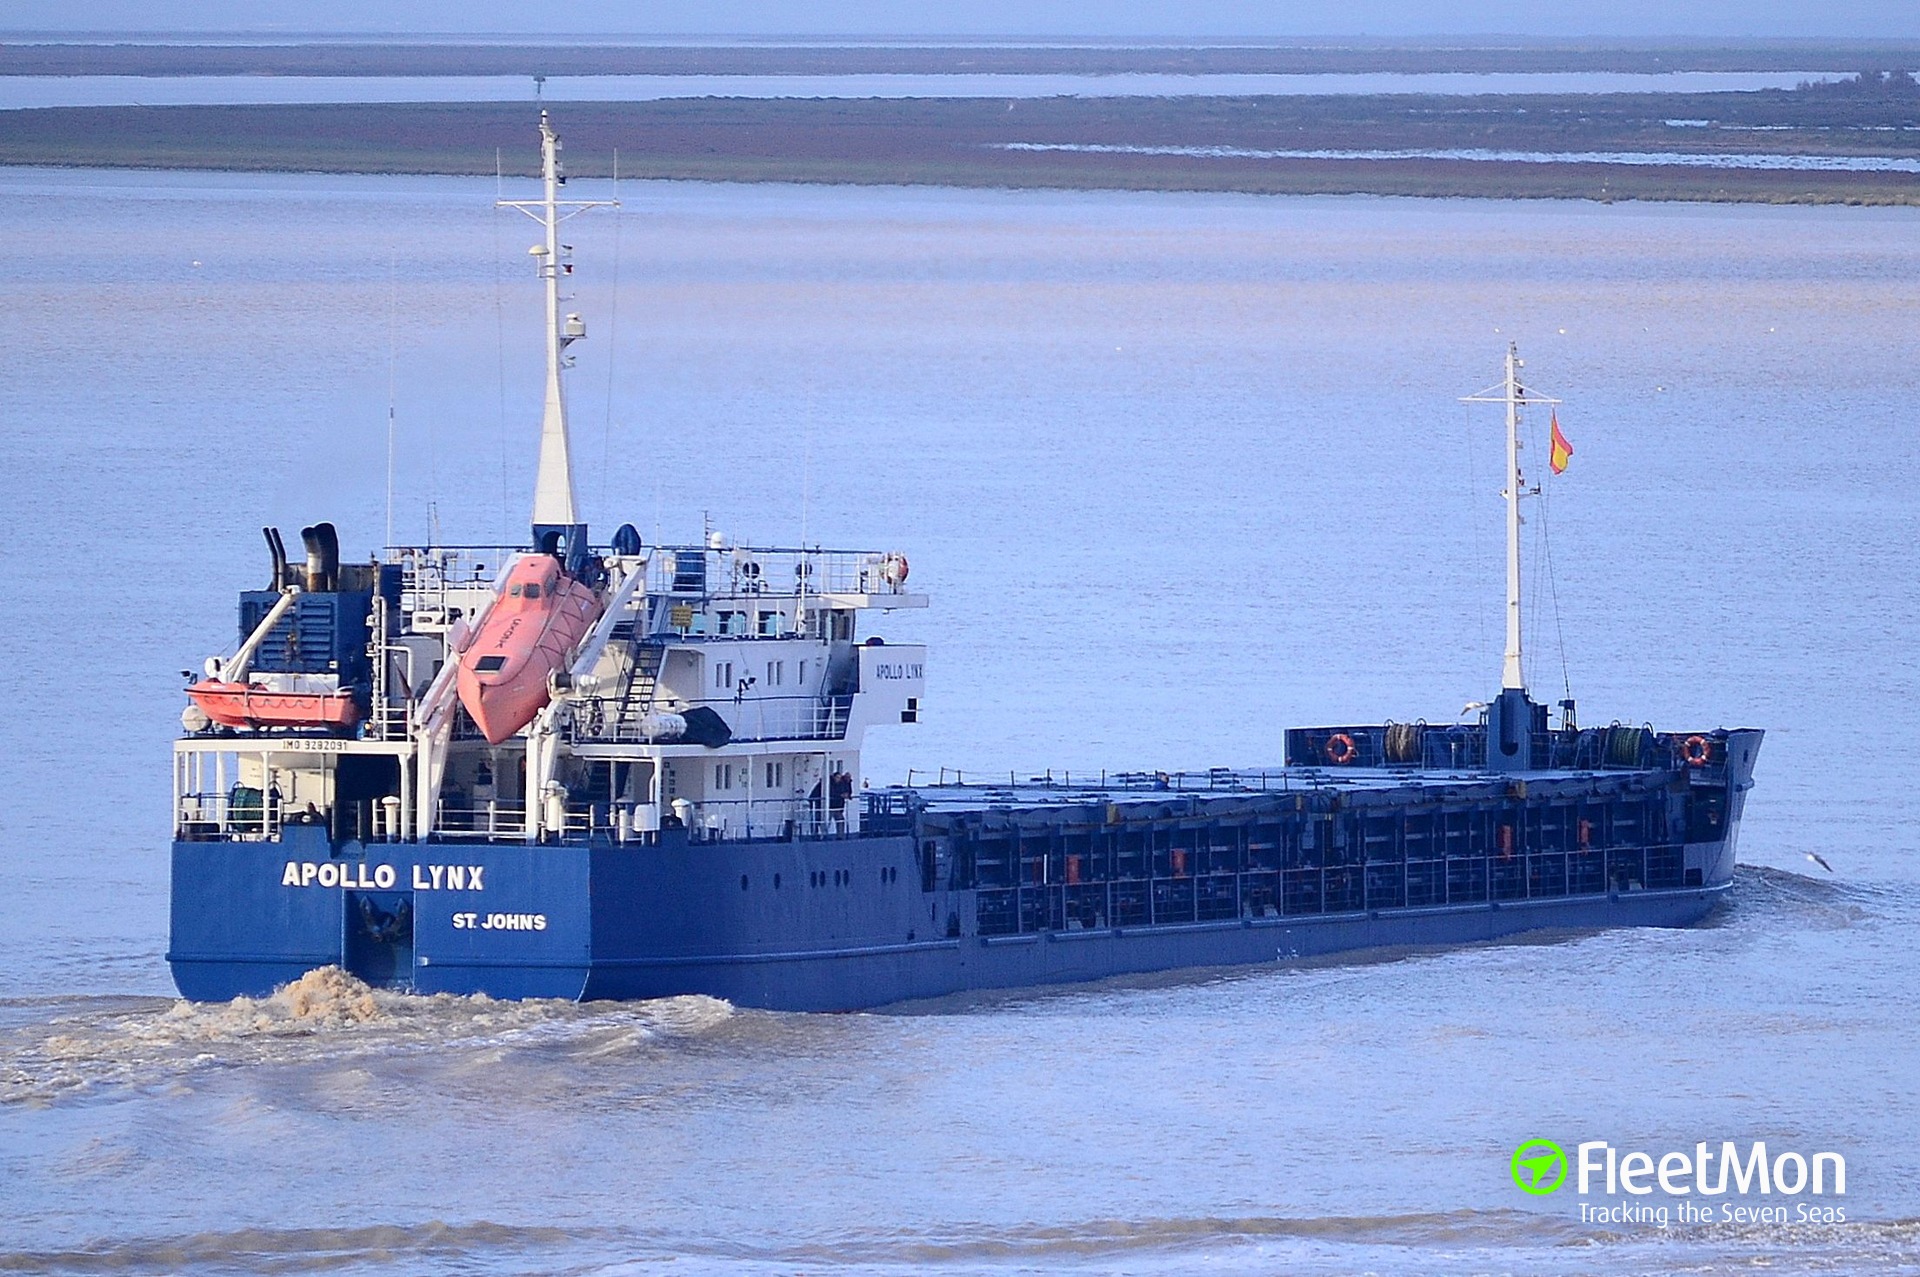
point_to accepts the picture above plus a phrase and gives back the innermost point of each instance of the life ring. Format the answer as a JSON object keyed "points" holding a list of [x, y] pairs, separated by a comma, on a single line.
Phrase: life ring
{"points": [[1696, 751], [1340, 749]]}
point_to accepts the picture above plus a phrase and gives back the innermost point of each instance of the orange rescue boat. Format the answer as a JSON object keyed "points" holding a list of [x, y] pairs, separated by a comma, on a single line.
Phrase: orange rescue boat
{"points": [[257, 705], [539, 617]]}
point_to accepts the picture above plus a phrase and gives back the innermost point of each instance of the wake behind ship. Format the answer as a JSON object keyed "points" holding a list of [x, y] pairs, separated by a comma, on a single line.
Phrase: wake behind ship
{"points": [[616, 770]]}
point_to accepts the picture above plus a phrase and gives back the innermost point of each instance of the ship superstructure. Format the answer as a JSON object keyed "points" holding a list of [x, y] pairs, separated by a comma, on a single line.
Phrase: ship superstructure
{"points": [[611, 769]]}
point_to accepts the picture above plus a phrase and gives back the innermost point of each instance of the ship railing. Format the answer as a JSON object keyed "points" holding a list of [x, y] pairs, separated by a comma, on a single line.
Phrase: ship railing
{"points": [[619, 821], [1463, 746], [391, 715], [428, 571], [1441, 747], [689, 571], [610, 720], [890, 811], [581, 821], [1704, 751], [778, 818], [241, 814], [1094, 782], [1617, 747], [390, 720], [490, 819], [747, 571]]}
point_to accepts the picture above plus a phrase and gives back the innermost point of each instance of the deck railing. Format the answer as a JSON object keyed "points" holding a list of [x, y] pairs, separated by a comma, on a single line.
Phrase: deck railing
{"points": [[610, 720], [1463, 747], [687, 571]]}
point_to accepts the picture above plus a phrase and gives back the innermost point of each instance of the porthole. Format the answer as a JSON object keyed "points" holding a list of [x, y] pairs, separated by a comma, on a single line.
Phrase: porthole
{"points": [[743, 882], [776, 882]]}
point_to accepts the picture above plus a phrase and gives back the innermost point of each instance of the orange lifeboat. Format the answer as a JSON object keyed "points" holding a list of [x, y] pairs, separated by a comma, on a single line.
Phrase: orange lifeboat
{"points": [[256, 705], [539, 617]]}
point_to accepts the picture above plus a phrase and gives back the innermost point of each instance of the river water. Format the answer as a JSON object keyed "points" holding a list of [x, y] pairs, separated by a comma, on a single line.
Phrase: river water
{"points": [[1178, 471], [22, 91]]}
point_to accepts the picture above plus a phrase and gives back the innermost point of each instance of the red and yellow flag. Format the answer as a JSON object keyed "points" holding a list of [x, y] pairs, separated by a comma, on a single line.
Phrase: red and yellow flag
{"points": [[1561, 451]]}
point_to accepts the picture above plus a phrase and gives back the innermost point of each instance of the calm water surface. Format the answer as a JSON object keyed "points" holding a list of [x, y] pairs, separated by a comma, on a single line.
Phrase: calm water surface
{"points": [[18, 91], [1661, 159], [1178, 471]]}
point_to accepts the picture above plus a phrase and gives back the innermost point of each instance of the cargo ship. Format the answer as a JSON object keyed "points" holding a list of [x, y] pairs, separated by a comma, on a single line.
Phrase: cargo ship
{"points": [[579, 769]]}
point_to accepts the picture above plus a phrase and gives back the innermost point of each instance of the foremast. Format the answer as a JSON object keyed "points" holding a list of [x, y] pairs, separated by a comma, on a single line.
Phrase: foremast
{"points": [[554, 506], [1509, 717]]}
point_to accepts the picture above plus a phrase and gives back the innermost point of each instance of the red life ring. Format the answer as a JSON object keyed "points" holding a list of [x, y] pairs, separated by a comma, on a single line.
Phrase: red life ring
{"points": [[1341, 750], [1696, 751]]}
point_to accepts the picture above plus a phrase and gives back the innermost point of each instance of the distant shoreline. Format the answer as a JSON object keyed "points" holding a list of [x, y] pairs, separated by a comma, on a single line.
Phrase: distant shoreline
{"points": [[346, 57], [1137, 143]]}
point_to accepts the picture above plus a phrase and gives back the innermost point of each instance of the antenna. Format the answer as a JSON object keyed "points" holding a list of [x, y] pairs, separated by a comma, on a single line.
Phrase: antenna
{"points": [[1514, 395], [553, 494]]}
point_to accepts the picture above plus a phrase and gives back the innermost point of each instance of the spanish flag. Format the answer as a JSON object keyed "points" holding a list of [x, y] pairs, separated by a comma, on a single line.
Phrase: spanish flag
{"points": [[1561, 451]]}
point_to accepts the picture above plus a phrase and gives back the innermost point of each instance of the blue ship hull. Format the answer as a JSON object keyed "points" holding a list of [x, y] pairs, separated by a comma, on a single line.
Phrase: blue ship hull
{"points": [[617, 922], [841, 923]]}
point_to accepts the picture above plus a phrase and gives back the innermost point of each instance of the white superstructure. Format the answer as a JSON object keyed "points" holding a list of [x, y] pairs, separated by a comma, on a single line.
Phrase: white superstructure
{"points": [[763, 640], [724, 688]]}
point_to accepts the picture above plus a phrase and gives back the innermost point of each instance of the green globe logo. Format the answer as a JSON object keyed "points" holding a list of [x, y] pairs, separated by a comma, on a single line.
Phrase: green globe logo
{"points": [[1539, 1167]]}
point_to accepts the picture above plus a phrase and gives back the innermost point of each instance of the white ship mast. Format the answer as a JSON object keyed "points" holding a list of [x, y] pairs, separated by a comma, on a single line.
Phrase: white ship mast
{"points": [[1514, 395], [553, 498]]}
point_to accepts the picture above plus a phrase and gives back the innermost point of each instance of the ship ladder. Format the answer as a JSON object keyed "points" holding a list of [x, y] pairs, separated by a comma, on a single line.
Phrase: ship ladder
{"points": [[636, 696]]}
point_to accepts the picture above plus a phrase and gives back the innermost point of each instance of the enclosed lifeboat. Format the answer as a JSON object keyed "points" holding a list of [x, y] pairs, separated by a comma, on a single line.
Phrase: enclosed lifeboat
{"points": [[538, 618]]}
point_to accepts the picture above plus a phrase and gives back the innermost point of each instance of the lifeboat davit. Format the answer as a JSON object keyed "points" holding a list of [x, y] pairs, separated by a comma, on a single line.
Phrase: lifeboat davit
{"points": [[539, 617], [257, 705]]}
